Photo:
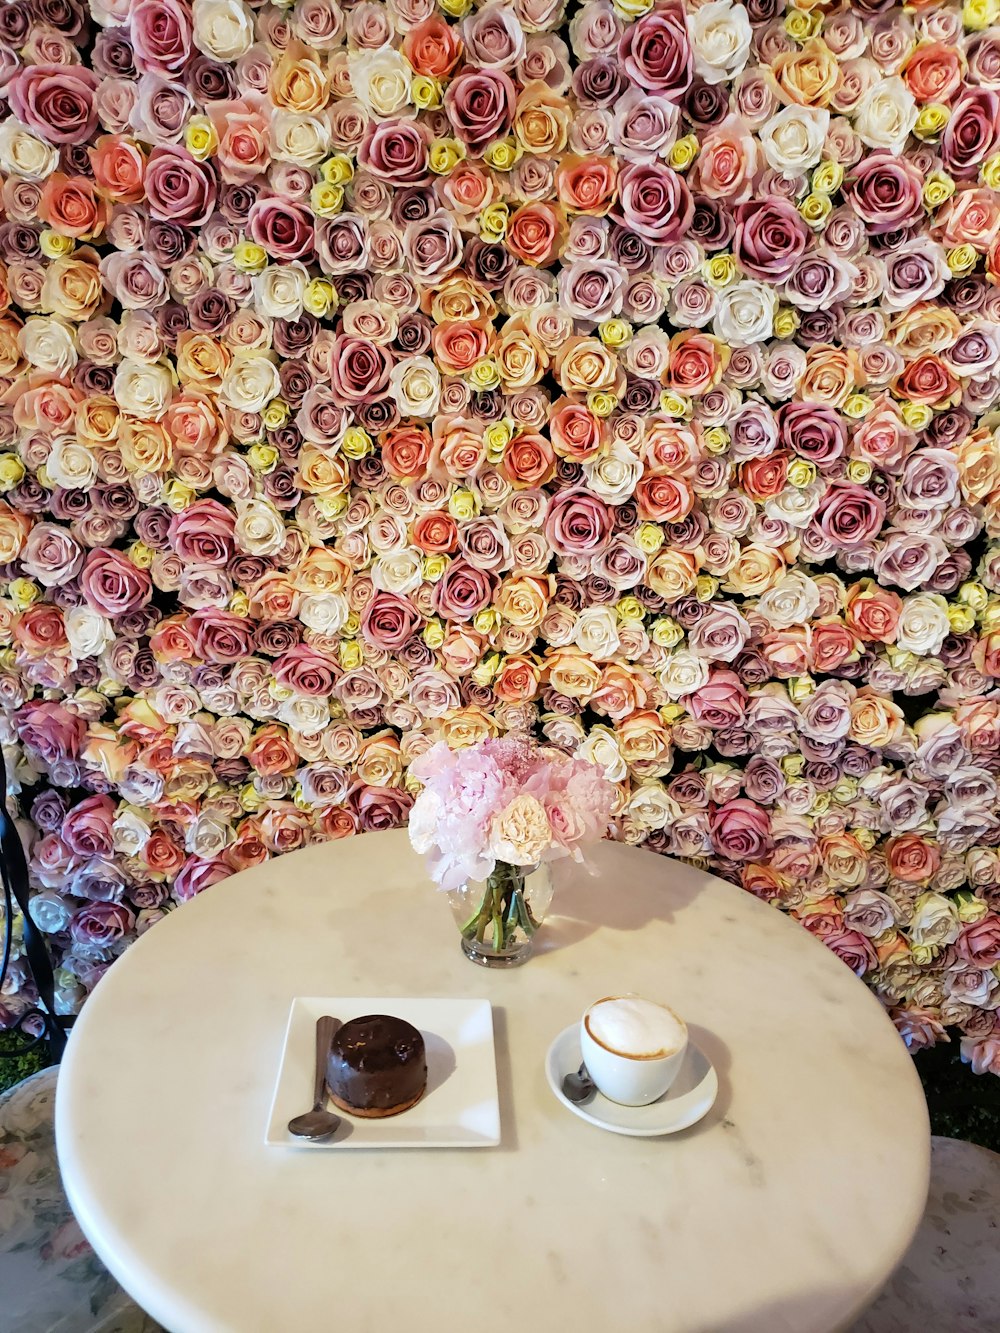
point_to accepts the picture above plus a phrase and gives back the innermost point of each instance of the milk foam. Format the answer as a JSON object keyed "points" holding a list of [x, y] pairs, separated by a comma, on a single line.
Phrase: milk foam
{"points": [[635, 1027]]}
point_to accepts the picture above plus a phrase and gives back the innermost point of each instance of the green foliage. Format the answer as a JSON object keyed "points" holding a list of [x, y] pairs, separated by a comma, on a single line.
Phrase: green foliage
{"points": [[14, 1068], [962, 1105]]}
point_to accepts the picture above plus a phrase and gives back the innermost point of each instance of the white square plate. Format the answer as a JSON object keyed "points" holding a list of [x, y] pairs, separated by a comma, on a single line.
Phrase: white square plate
{"points": [[460, 1108]]}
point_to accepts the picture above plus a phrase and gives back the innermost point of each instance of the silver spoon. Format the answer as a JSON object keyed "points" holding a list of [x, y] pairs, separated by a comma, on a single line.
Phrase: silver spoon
{"points": [[319, 1123], [579, 1087]]}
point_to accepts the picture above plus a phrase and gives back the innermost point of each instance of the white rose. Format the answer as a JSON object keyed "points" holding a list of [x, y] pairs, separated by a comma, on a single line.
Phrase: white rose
{"points": [[613, 475], [720, 35], [792, 601], [143, 390], [923, 624], [398, 571], [260, 529], [380, 79], [601, 748], [88, 632], [885, 115], [415, 384], [223, 29], [50, 912], [596, 633], [304, 140], [22, 154], [71, 465], [324, 612], [745, 314], [130, 832], [793, 138], [208, 835], [250, 382], [47, 345], [935, 920], [796, 504], [280, 289], [683, 673], [650, 807]]}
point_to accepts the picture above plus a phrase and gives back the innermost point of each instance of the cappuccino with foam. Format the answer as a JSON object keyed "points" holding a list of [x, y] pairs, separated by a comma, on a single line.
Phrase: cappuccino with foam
{"points": [[633, 1048]]}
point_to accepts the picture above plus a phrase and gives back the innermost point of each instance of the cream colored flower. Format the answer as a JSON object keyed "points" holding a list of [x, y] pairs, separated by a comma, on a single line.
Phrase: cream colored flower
{"points": [[398, 571], [71, 465], [142, 389], [304, 140], [745, 314], [223, 29], [250, 382], [615, 474], [260, 529], [720, 35], [596, 633], [22, 154], [885, 115], [381, 80], [521, 833], [794, 600], [416, 386], [47, 345], [683, 673], [325, 612], [280, 289], [88, 632], [793, 138], [923, 624], [601, 748]]}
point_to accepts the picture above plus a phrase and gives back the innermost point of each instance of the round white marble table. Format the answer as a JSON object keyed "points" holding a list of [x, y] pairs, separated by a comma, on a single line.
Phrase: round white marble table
{"points": [[785, 1209]]}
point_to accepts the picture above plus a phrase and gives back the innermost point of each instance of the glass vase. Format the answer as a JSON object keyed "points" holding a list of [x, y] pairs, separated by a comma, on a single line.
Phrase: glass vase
{"points": [[498, 917]]}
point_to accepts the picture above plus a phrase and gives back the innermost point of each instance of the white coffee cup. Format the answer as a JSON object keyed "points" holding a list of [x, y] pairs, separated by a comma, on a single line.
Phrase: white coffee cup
{"points": [[633, 1048]]}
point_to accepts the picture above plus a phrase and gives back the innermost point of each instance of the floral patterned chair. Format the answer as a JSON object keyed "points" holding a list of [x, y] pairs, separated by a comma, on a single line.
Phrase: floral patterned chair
{"points": [[51, 1280], [949, 1281]]}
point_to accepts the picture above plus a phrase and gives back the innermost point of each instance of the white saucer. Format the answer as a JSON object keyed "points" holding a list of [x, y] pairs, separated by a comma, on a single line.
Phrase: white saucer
{"points": [[690, 1097]]}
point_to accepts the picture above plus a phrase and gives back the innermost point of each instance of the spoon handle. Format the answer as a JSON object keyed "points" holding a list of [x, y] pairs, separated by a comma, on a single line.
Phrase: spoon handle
{"points": [[325, 1029]]}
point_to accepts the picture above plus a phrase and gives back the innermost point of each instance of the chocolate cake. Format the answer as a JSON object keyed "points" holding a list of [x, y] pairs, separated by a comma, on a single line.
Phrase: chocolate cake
{"points": [[377, 1066]]}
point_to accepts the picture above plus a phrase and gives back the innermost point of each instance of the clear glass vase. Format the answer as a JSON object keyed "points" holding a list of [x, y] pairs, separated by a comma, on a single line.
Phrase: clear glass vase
{"points": [[498, 916]]}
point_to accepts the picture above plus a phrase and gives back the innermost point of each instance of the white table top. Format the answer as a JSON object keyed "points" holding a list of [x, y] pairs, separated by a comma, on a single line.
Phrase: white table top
{"points": [[786, 1208]]}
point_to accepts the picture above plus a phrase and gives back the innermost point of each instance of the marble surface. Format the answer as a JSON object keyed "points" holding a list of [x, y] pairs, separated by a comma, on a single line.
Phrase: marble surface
{"points": [[785, 1209], [949, 1281]]}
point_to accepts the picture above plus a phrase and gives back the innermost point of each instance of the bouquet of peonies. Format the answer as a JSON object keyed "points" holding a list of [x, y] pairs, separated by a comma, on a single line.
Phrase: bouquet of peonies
{"points": [[504, 803]]}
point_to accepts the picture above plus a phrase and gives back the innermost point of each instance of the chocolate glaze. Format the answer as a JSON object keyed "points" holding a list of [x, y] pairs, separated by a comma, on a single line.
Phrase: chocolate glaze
{"points": [[377, 1063]]}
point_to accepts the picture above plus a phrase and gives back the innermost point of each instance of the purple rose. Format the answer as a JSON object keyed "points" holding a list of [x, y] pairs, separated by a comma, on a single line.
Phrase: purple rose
{"points": [[179, 188], [480, 105], [654, 201], [848, 515], [770, 238], [56, 101]]}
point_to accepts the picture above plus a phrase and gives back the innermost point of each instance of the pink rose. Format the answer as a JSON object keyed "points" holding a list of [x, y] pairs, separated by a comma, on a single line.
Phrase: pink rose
{"points": [[972, 132], [389, 621], [771, 237], [855, 949], [197, 875], [179, 188], [979, 942], [56, 101], [51, 730], [284, 229], [464, 590], [87, 828], [380, 807], [396, 151], [655, 53], [220, 636], [306, 671], [654, 201], [204, 534], [480, 106], [577, 522], [849, 515], [359, 370], [100, 925], [112, 585], [885, 191], [161, 32], [741, 831], [720, 703]]}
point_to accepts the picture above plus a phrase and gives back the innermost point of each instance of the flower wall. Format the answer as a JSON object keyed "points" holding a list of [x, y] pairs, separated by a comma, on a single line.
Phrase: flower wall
{"points": [[386, 372]]}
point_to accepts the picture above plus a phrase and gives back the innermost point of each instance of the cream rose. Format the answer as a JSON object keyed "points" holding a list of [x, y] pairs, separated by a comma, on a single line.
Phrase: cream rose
{"points": [[223, 29], [935, 921], [143, 390], [792, 140], [260, 529], [885, 115], [923, 624], [324, 612], [650, 807], [304, 140], [280, 289], [250, 382], [398, 571], [71, 465], [720, 36], [596, 633], [21, 154], [130, 832], [306, 716], [416, 386], [47, 345], [794, 600], [744, 315], [381, 80], [613, 475], [683, 673], [88, 632], [601, 748]]}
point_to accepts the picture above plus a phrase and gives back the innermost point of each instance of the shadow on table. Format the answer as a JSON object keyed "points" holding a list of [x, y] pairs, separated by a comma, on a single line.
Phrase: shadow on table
{"points": [[586, 903], [505, 1085], [806, 1310], [718, 1052]]}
